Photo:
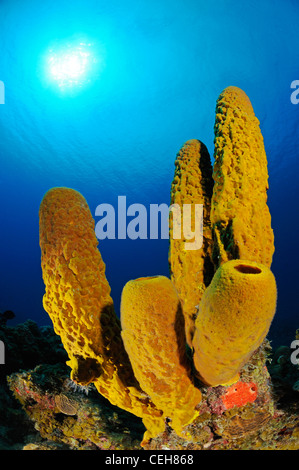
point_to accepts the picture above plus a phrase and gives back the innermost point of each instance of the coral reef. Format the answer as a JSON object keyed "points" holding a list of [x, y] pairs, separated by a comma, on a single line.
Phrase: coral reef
{"points": [[191, 271], [26, 346], [186, 366], [5, 316], [240, 217], [240, 423], [285, 372], [154, 337], [234, 317], [26, 343], [69, 418], [44, 418]]}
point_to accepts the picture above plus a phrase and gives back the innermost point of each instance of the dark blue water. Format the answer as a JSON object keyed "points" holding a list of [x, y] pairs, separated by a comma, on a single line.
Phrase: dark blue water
{"points": [[154, 73]]}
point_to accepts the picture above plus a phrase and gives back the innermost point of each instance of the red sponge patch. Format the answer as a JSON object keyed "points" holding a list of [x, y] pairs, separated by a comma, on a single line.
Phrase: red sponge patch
{"points": [[239, 394]]}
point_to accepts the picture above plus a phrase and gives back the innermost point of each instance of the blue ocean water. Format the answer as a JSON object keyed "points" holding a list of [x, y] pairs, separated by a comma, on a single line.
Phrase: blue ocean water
{"points": [[100, 96]]}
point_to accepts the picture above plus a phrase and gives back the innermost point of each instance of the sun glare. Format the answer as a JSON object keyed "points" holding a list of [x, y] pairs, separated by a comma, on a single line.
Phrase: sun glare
{"points": [[71, 66]]}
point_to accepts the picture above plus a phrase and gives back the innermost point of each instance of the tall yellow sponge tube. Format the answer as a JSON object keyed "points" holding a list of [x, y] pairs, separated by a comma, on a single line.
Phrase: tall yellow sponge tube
{"points": [[77, 298], [191, 267], [240, 217], [153, 334], [234, 317]]}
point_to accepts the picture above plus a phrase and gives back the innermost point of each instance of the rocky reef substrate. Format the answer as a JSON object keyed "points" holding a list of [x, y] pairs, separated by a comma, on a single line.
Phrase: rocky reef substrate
{"points": [[41, 408]]}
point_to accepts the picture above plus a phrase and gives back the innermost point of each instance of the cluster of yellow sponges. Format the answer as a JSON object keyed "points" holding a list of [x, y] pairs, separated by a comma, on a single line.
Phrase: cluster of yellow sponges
{"points": [[220, 299]]}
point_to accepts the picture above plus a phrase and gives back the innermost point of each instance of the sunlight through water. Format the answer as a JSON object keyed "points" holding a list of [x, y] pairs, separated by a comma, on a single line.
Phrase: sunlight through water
{"points": [[71, 66]]}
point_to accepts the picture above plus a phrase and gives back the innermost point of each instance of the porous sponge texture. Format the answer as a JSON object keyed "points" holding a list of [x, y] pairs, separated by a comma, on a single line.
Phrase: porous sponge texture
{"points": [[77, 291], [153, 334], [240, 217], [191, 271], [77, 298], [234, 317]]}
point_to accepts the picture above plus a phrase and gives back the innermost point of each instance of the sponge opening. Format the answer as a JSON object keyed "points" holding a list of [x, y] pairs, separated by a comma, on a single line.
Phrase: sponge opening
{"points": [[245, 269]]}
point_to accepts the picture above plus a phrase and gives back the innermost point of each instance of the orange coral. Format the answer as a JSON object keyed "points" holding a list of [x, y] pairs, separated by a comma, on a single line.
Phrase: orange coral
{"points": [[240, 394]]}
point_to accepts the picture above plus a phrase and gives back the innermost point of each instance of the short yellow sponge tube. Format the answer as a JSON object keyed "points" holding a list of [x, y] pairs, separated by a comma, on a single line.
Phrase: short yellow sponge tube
{"points": [[234, 317], [77, 298], [153, 335], [240, 217]]}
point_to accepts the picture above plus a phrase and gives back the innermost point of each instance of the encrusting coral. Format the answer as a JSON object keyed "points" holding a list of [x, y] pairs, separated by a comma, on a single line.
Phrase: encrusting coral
{"points": [[224, 315], [234, 317], [69, 419], [154, 337], [240, 217], [191, 270], [37, 407], [77, 298]]}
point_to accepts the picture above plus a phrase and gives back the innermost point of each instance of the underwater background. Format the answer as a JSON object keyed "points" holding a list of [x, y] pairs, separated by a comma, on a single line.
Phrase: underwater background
{"points": [[100, 96]]}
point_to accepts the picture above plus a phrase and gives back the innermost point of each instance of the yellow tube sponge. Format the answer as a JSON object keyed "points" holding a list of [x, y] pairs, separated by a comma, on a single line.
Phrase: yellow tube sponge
{"points": [[77, 298], [191, 270], [153, 335], [234, 317], [240, 216]]}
